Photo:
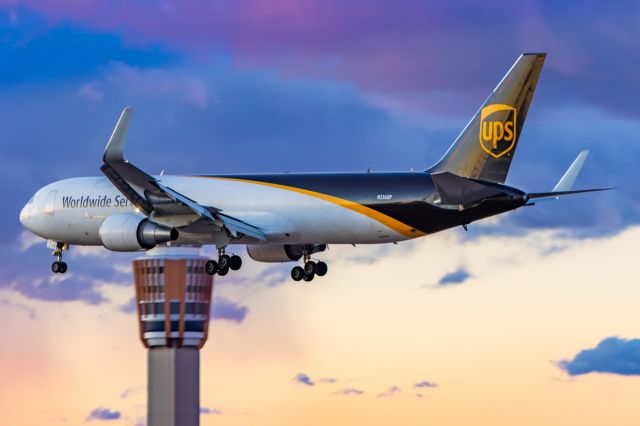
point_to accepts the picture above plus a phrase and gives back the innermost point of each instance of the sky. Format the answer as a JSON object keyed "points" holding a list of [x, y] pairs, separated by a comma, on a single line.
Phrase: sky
{"points": [[526, 319]]}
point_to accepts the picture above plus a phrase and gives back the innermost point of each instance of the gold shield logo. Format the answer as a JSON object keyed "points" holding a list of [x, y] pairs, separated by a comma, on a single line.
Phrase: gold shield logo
{"points": [[497, 129]]}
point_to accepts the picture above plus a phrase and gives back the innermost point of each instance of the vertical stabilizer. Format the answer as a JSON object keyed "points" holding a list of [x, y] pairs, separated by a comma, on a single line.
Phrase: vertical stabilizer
{"points": [[486, 146]]}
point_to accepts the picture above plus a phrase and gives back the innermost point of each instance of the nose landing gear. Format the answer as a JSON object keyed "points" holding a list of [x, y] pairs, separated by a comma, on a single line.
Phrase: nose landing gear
{"points": [[58, 267]]}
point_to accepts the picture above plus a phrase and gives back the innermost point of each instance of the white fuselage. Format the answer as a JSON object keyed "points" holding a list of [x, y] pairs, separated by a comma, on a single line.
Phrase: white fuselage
{"points": [[72, 211]]}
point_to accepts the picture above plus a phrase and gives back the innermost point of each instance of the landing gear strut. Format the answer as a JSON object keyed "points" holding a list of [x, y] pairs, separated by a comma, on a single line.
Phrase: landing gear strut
{"points": [[309, 269], [59, 267], [224, 264]]}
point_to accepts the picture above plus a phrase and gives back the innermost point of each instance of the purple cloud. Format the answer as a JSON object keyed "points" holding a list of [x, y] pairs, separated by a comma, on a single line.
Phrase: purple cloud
{"points": [[207, 410], [303, 379], [387, 48], [130, 307], [130, 391], [425, 384], [7, 304], [349, 392], [101, 413], [225, 309], [60, 288], [391, 391]]}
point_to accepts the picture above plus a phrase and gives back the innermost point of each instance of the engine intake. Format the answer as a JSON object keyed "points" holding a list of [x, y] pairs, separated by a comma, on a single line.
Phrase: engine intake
{"points": [[132, 232]]}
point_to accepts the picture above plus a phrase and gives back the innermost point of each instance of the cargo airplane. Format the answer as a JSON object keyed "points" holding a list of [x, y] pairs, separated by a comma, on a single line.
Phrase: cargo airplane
{"points": [[290, 217]]}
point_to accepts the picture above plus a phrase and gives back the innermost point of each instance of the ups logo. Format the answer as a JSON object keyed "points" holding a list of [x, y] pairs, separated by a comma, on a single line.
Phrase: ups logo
{"points": [[498, 129]]}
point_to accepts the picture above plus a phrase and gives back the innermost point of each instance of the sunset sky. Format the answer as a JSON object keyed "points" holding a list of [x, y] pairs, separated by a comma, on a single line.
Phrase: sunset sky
{"points": [[526, 319]]}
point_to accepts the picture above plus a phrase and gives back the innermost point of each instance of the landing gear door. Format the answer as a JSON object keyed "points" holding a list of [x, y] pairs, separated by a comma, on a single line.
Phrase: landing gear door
{"points": [[50, 202]]}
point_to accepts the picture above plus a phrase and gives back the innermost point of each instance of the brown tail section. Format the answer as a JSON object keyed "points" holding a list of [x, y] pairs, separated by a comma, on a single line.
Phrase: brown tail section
{"points": [[486, 146]]}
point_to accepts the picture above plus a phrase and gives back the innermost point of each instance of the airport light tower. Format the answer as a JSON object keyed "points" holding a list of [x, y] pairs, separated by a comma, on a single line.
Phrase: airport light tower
{"points": [[173, 293]]}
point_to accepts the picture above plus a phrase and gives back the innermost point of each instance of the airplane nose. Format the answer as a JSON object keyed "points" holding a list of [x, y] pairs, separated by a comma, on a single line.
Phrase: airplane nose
{"points": [[23, 215], [26, 213]]}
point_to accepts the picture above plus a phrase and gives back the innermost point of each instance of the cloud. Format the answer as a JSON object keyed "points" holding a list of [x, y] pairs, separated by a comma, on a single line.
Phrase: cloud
{"points": [[151, 83], [31, 312], [425, 384], [60, 288], [303, 379], [349, 392], [389, 49], [612, 355], [206, 410], [391, 391], [458, 276], [130, 391], [228, 310], [101, 413], [89, 251], [26, 240], [130, 307]]}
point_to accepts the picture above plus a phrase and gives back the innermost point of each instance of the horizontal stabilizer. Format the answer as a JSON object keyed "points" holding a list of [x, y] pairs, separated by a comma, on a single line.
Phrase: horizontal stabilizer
{"points": [[454, 190], [564, 185], [548, 196]]}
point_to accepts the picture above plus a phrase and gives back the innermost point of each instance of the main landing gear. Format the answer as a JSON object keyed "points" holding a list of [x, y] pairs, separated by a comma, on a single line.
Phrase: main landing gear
{"points": [[59, 267], [224, 264], [309, 270]]}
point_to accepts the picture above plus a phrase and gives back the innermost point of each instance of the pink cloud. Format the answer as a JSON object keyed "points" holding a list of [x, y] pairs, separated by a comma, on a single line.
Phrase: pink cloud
{"points": [[402, 49]]}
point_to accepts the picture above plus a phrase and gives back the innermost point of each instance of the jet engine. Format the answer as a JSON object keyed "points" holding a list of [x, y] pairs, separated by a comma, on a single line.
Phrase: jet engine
{"points": [[280, 252], [132, 232]]}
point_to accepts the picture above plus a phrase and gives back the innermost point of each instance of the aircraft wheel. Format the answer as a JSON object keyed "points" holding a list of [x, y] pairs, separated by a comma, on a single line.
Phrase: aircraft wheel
{"points": [[211, 267], [56, 267], [310, 268], [308, 277], [297, 273], [63, 267], [235, 262], [223, 271], [321, 269], [224, 261]]}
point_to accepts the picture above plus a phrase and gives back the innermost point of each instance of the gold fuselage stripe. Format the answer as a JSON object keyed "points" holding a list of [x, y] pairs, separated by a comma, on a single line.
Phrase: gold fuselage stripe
{"points": [[396, 225]]}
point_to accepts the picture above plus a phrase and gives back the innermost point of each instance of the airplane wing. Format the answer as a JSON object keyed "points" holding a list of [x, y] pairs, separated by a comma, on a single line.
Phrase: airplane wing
{"points": [[153, 198]]}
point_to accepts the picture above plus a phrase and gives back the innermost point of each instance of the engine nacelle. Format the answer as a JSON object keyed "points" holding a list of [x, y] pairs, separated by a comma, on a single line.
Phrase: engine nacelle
{"points": [[280, 252], [132, 232]]}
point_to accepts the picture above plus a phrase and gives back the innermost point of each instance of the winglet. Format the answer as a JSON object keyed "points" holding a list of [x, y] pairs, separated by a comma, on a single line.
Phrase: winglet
{"points": [[114, 152], [568, 179]]}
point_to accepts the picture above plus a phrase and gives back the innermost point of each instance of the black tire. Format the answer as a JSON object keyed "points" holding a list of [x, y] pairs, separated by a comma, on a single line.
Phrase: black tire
{"points": [[223, 271], [297, 273], [63, 267], [224, 261], [211, 267], [55, 267], [308, 277], [235, 263], [310, 268], [321, 269]]}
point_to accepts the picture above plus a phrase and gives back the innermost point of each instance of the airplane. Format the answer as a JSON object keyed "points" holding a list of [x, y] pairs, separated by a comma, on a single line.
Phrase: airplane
{"points": [[290, 217]]}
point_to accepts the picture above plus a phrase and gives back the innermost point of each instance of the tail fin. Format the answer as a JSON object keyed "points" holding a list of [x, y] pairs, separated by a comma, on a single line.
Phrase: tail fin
{"points": [[486, 146]]}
